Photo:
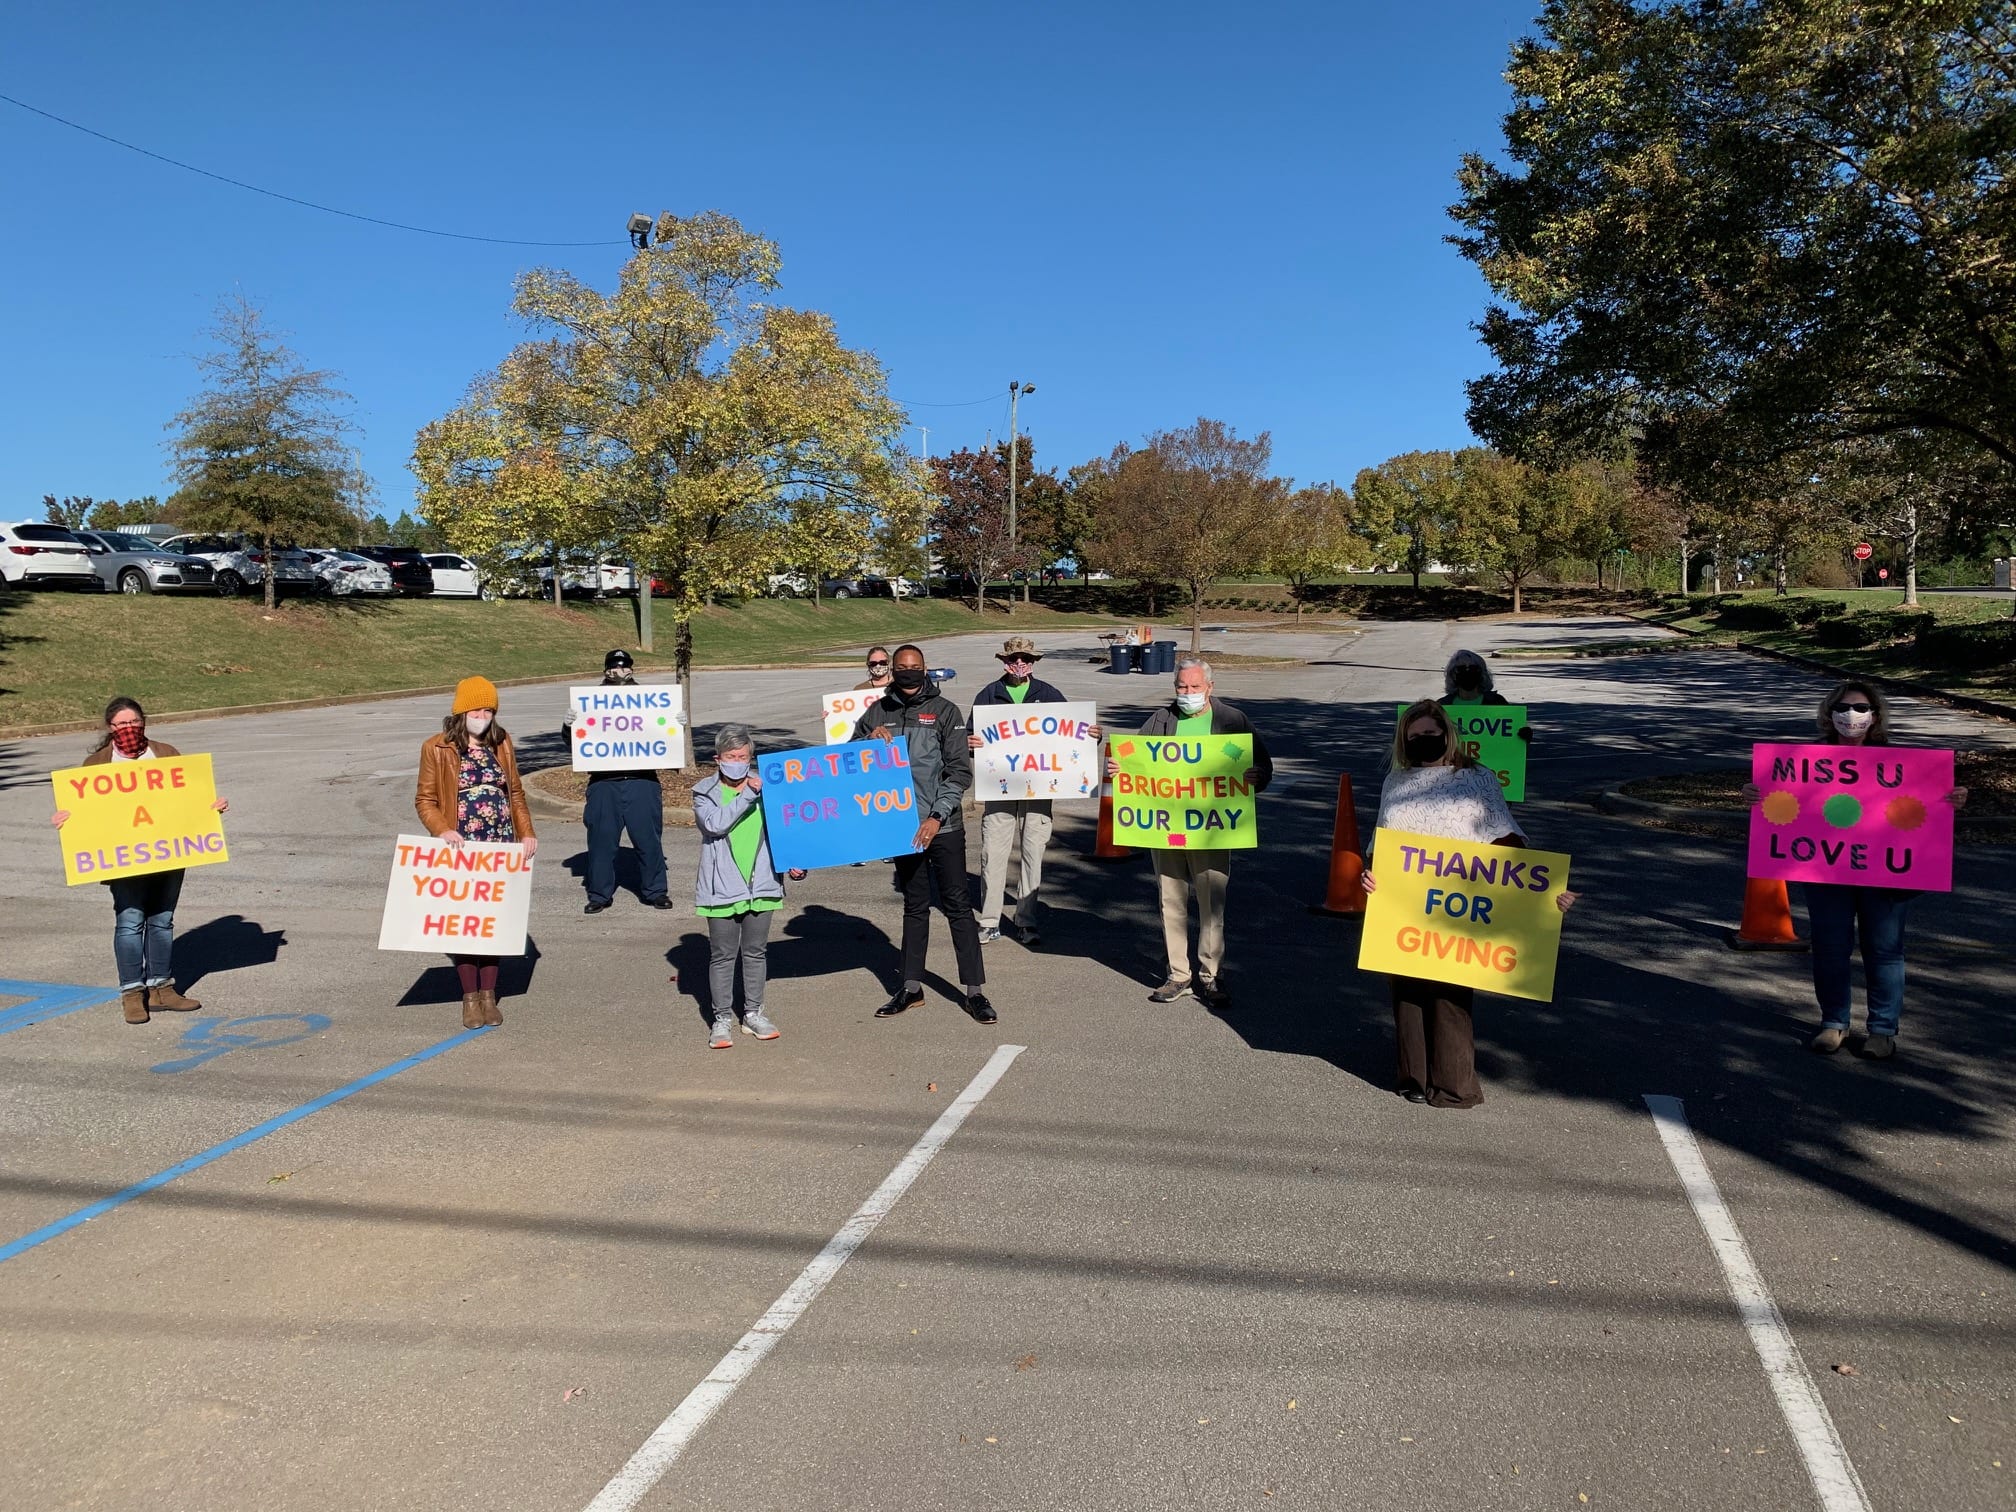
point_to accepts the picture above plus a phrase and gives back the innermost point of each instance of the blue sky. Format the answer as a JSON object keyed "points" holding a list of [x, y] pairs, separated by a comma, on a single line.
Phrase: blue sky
{"points": [[1152, 211]]}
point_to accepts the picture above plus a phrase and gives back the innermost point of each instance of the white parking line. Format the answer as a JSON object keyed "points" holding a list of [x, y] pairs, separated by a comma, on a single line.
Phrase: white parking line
{"points": [[660, 1451], [1813, 1430]]}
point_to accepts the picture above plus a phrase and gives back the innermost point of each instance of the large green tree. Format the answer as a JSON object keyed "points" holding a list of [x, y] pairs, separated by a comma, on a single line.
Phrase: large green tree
{"points": [[1406, 507], [1740, 230], [260, 449], [685, 421], [1513, 520], [1312, 538]]}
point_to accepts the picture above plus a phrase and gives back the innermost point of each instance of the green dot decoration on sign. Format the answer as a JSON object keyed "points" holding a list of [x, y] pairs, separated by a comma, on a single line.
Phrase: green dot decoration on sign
{"points": [[1231, 748], [1842, 811]]}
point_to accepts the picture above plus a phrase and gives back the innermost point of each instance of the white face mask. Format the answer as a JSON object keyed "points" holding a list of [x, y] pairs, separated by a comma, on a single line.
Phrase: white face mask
{"points": [[1192, 703], [1853, 722], [476, 723], [734, 771]]}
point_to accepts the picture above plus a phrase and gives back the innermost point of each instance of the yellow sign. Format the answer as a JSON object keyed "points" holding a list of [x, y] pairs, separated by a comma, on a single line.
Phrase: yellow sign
{"points": [[129, 818], [1481, 916], [1194, 794]]}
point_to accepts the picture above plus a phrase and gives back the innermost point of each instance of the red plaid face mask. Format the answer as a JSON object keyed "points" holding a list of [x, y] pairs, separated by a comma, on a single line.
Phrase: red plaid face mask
{"points": [[130, 740]]}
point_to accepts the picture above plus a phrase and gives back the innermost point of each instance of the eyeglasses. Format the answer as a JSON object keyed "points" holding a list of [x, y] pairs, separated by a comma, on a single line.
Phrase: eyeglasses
{"points": [[129, 724], [1855, 708], [1017, 661], [877, 666]]}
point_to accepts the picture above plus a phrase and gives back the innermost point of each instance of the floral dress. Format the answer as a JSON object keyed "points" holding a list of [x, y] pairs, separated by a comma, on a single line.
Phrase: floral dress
{"points": [[482, 806]]}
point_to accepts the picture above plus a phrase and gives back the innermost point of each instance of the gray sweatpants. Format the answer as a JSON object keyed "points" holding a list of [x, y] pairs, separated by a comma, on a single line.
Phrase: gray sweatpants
{"points": [[748, 936]]}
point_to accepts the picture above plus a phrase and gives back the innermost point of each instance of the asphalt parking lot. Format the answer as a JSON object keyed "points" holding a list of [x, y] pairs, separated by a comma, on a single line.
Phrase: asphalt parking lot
{"points": [[1168, 1260]]}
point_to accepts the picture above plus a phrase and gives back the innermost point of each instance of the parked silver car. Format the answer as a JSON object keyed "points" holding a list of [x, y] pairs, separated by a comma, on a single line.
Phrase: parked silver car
{"points": [[134, 564], [240, 564], [345, 573]]}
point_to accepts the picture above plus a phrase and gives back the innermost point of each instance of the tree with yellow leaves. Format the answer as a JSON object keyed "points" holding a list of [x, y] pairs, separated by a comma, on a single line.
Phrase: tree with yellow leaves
{"points": [[683, 422]]}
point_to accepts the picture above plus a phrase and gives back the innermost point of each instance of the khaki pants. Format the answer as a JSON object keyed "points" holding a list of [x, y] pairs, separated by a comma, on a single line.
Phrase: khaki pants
{"points": [[998, 825], [1179, 874]]}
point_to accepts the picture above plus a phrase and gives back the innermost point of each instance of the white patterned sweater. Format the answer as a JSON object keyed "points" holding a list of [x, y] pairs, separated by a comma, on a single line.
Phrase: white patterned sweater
{"points": [[1450, 803]]}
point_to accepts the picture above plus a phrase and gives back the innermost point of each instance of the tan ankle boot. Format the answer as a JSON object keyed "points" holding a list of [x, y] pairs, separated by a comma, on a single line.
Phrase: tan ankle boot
{"points": [[472, 1010], [490, 1013], [165, 997], [134, 1001]]}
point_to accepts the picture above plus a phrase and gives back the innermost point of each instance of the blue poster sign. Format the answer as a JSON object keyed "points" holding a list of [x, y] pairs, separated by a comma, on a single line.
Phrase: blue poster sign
{"points": [[838, 804]]}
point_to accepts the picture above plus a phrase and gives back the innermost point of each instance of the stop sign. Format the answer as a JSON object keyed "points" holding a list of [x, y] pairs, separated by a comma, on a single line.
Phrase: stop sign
{"points": [[1883, 572], [1864, 551]]}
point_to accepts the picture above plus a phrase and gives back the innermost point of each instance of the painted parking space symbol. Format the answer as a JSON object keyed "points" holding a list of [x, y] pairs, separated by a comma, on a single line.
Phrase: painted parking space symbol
{"points": [[208, 1039], [46, 1001]]}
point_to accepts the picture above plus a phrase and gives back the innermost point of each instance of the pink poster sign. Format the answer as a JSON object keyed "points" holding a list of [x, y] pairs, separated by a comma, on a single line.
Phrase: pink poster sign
{"points": [[1873, 816]]}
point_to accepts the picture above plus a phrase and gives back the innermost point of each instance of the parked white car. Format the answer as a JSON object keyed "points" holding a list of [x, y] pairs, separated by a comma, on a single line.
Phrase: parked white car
{"points": [[599, 580], [458, 577], [345, 573], [240, 564], [44, 556]]}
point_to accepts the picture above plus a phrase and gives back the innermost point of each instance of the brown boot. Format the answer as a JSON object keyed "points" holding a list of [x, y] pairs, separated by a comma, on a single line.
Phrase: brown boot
{"points": [[134, 1001], [166, 999], [490, 1013], [472, 1010]]}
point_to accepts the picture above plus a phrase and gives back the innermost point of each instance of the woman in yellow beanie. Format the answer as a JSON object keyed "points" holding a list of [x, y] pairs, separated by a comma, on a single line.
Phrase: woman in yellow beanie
{"points": [[469, 790]]}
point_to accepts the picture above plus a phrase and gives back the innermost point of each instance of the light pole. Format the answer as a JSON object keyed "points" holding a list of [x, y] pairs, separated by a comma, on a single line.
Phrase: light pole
{"points": [[1015, 391]]}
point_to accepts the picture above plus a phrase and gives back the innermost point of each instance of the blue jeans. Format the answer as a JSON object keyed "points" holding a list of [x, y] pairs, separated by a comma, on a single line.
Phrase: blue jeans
{"points": [[1835, 910], [143, 934], [616, 804]]}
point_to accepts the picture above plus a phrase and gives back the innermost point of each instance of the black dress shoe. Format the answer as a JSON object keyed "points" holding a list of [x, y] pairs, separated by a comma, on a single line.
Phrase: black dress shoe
{"points": [[657, 902], [1414, 1094], [980, 1010], [594, 907], [902, 1002]]}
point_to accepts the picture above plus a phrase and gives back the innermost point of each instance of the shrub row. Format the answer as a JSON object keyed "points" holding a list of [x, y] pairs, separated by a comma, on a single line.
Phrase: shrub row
{"points": [[1972, 647]]}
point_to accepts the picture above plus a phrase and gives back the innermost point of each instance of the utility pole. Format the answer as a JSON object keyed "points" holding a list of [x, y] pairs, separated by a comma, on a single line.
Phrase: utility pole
{"points": [[925, 432], [1015, 391]]}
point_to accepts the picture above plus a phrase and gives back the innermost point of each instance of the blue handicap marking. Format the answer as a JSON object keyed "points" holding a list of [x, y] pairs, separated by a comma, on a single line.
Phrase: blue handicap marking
{"points": [[221, 1036], [46, 1001]]}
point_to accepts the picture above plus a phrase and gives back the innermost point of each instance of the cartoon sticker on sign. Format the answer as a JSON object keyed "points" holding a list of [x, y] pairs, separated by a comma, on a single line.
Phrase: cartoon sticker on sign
{"points": [[1195, 794], [834, 805], [638, 727], [1036, 751], [132, 818], [1483, 916], [1872, 816]]}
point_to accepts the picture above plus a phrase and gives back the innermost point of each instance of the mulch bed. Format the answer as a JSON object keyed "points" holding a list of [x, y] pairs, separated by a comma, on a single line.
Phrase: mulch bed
{"points": [[565, 785]]}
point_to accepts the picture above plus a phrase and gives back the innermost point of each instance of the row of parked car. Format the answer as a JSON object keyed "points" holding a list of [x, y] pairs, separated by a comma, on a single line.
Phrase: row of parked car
{"points": [[38, 555]]}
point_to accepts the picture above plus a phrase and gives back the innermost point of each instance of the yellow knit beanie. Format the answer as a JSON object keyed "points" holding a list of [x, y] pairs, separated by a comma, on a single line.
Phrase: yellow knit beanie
{"points": [[474, 693]]}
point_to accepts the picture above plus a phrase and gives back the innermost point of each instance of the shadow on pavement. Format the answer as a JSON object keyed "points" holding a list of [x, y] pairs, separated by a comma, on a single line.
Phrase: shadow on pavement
{"points": [[225, 944], [439, 984]]}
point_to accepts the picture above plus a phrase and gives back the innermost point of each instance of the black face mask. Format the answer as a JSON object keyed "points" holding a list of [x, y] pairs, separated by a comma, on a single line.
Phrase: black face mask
{"points": [[1426, 750], [910, 679], [1467, 677]]}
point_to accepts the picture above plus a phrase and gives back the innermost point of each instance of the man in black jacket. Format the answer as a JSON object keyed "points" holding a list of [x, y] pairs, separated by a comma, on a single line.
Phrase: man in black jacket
{"points": [[1003, 819], [941, 770], [619, 801], [1196, 710]]}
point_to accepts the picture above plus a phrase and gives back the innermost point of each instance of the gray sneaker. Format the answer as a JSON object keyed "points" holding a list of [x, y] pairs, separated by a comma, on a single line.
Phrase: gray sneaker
{"points": [[754, 1022], [723, 1037], [1169, 991], [989, 933]]}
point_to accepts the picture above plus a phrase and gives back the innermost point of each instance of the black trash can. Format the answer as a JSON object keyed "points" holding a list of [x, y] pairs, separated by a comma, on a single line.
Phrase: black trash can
{"points": [[1163, 661], [1119, 659]]}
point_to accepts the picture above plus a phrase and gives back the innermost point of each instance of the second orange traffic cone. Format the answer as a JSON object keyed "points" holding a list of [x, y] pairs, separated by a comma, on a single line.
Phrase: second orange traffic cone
{"points": [[1346, 894], [1103, 848], [1767, 918]]}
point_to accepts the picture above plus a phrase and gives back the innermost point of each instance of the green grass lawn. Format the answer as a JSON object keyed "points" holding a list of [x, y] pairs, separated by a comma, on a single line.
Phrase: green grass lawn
{"points": [[62, 655]]}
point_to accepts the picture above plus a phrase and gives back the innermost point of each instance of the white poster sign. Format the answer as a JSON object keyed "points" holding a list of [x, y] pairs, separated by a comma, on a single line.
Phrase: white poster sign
{"points": [[639, 727], [841, 710], [1036, 750], [471, 898]]}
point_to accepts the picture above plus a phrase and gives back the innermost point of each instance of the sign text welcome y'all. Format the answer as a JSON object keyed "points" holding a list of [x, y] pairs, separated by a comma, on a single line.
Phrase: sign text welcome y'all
{"points": [[1184, 794], [1036, 750], [1872, 816], [1481, 916], [131, 818], [474, 897]]}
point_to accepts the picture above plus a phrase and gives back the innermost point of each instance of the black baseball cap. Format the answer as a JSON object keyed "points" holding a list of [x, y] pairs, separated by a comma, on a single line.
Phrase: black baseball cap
{"points": [[617, 659]]}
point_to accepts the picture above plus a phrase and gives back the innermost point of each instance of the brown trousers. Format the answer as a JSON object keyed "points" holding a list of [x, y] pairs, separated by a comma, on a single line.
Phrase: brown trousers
{"points": [[1438, 1051]]}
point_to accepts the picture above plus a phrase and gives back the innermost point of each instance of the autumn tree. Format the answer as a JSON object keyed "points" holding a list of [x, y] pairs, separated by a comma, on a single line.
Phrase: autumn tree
{"points": [[686, 421], [260, 448], [1513, 520], [1312, 538], [1405, 508], [1190, 507], [969, 526]]}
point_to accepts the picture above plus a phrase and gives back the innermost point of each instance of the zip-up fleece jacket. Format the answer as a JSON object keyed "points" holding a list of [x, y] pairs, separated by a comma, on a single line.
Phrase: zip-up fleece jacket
{"points": [[719, 883], [1225, 720], [996, 692], [941, 766]]}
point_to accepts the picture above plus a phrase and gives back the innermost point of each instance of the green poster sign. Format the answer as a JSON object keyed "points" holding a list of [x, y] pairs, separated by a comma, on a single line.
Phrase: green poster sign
{"points": [[1184, 793], [1490, 733]]}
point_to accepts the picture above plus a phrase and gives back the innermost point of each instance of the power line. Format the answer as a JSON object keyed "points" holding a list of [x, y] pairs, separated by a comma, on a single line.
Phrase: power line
{"points": [[961, 404], [498, 241]]}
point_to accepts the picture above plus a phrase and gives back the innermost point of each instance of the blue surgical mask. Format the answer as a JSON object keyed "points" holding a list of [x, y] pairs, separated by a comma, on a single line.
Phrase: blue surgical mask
{"points": [[734, 771], [1192, 703]]}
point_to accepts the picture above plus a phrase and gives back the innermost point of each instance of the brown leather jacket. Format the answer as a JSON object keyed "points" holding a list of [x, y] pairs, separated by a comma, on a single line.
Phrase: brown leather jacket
{"points": [[104, 753], [440, 787]]}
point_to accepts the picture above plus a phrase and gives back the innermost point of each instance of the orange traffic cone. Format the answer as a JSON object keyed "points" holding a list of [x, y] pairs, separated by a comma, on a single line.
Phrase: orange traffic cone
{"points": [[1103, 848], [1767, 918], [1346, 896]]}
